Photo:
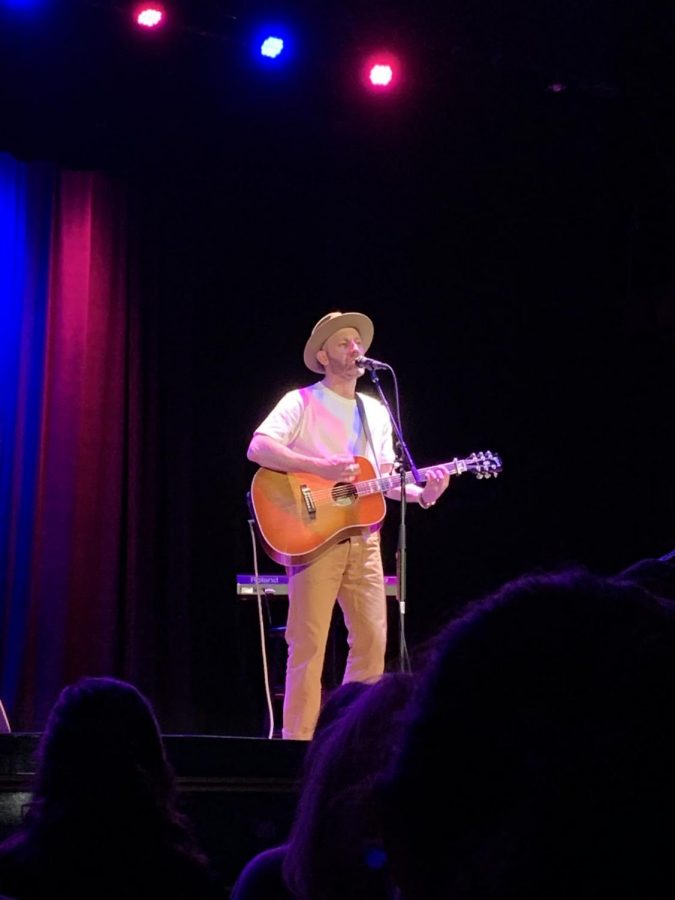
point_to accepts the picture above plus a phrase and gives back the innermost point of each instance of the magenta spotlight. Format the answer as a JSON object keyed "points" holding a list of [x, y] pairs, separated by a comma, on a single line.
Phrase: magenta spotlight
{"points": [[380, 75], [381, 71], [149, 15]]}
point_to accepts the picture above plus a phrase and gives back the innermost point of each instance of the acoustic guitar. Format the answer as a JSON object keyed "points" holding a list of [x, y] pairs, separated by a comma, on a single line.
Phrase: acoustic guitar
{"points": [[299, 516]]}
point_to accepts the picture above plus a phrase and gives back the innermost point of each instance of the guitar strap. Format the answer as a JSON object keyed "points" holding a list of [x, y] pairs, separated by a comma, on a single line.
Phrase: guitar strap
{"points": [[366, 428]]}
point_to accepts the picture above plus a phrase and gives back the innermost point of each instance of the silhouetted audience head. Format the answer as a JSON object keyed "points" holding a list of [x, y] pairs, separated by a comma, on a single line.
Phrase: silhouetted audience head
{"points": [[261, 877], [101, 749], [538, 758], [335, 848], [654, 574], [103, 817], [335, 703]]}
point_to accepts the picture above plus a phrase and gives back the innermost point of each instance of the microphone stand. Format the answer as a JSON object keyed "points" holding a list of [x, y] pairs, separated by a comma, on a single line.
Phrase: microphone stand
{"points": [[402, 457]]}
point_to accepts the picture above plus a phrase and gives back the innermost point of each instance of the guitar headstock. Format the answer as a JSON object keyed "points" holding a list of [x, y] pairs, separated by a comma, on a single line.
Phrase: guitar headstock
{"points": [[484, 465]]}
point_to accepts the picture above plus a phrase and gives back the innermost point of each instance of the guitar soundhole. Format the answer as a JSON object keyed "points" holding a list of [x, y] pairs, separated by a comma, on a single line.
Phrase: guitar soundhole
{"points": [[343, 493]]}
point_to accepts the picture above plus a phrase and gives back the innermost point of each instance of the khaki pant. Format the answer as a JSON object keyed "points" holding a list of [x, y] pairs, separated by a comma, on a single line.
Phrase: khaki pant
{"points": [[350, 572]]}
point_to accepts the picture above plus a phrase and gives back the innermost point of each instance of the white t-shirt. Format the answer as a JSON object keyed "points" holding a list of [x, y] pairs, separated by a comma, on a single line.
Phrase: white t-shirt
{"points": [[316, 421]]}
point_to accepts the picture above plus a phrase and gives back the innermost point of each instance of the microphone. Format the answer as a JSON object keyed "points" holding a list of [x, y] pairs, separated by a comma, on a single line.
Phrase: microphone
{"points": [[364, 362]]}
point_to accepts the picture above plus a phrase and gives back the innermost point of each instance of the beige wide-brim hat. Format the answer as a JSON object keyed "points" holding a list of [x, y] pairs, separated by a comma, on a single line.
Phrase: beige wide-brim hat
{"points": [[329, 325]]}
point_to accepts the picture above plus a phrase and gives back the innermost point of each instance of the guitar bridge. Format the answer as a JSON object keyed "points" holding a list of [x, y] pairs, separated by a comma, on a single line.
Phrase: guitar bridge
{"points": [[310, 506]]}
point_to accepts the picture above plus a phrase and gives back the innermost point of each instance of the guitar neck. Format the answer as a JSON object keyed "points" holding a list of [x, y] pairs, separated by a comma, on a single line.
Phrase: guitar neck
{"points": [[389, 482]]}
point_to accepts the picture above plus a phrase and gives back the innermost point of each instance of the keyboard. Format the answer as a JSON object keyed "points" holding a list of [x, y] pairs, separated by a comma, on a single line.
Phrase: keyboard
{"points": [[277, 585]]}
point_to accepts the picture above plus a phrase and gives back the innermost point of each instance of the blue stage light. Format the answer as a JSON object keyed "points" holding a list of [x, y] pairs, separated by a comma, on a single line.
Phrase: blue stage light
{"points": [[272, 46], [25, 5]]}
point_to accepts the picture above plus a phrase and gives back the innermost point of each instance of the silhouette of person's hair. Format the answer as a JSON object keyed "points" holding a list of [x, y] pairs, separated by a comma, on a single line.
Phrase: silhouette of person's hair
{"points": [[333, 850], [103, 819], [655, 574], [538, 756], [336, 702]]}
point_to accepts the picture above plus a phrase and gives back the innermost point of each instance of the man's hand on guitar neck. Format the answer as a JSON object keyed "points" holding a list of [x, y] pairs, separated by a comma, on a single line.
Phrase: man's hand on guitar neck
{"points": [[438, 480]]}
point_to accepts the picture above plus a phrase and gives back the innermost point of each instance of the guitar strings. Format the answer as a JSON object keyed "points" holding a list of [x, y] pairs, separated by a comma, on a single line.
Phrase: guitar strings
{"points": [[325, 496], [341, 491]]}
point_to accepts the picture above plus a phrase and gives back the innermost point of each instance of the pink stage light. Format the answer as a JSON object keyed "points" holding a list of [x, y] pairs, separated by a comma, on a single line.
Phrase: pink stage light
{"points": [[149, 15], [381, 71], [381, 75]]}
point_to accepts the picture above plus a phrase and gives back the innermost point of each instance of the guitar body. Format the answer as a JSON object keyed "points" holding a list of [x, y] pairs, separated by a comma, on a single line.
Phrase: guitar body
{"points": [[300, 516]]}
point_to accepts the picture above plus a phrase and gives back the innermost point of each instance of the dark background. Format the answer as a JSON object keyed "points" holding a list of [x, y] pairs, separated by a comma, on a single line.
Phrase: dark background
{"points": [[506, 218]]}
